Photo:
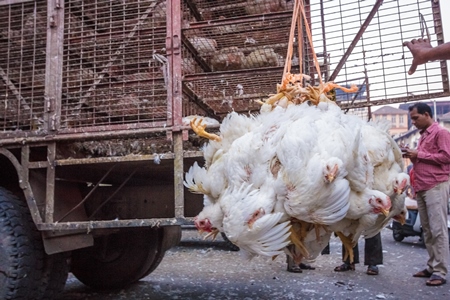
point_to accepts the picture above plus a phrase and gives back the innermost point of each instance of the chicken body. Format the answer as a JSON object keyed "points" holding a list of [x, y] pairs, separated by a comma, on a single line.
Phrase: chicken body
{"points": [[293, 175]]}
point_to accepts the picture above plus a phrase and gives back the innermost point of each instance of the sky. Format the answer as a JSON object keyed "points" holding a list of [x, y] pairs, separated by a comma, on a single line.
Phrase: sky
{"points": [[378, 57]]}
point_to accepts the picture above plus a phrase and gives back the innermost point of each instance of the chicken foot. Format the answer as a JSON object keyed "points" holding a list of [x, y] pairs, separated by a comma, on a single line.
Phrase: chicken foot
{"points": [[299, 230], [213, 233], [199, 129], [348, 246]]}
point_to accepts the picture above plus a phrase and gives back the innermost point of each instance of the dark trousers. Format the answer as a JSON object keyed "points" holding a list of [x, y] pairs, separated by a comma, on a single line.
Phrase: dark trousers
{"points": [[373, 252]]}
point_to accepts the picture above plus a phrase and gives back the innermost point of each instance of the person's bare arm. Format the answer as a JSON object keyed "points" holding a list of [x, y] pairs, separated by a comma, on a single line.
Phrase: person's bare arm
{"points": [[423, 52]]}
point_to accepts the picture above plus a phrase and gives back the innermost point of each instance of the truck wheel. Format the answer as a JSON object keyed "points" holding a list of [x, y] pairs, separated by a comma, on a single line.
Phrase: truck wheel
{"points": [[116, 260], [397, 236], [169, 235], [55, 275], [21, 251]]}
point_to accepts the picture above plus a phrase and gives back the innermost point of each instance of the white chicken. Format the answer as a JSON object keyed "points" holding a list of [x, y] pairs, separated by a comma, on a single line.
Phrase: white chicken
{"points": [[251, 223], [204, 46], [231, 58], [210, 180], [265, 57], [266, 6], [286, 179]]}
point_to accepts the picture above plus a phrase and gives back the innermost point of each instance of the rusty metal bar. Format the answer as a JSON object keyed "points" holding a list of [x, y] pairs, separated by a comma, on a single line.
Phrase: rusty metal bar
{"points": [[178, 170], [241, 20], [119, 159], [194, 10], [24, 185], [194, 98], [24, 137], [309, 63], [54, 65], [50, 184], [170, 14], [396, 100], [88, 195], [369, 109], [355, 40], [225, 74], [11, 2], [177, 73], [437, 19], [205, 67], [325, 55], [357, 94], [91, 225]]}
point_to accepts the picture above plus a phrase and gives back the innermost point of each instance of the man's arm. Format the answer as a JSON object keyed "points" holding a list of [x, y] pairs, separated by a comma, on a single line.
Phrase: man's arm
{"points": [[423, 52]]}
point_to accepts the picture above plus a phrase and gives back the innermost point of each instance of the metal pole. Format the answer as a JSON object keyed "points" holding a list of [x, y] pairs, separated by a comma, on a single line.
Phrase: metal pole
{"points": [[435, 112]]}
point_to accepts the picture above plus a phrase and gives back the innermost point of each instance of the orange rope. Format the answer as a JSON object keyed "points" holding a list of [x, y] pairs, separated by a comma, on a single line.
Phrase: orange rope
{"points": [[308, 33], [297, 20], [287, 65]]}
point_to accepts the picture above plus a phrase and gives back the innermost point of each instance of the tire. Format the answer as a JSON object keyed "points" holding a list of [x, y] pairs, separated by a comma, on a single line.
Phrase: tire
{"points": [[166, 238], [229, 244], [21, 251], [55, 275], [158, 256], [116, 260], [398, 237]]}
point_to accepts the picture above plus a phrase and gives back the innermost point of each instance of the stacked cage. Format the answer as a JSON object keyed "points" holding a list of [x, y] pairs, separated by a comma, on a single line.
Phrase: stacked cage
{"points": [[234, 52], [22, 65], [116, 69], [115, 65]]}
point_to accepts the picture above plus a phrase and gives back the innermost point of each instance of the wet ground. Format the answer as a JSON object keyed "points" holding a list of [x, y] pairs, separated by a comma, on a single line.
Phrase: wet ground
{"points": [[209, 270]]}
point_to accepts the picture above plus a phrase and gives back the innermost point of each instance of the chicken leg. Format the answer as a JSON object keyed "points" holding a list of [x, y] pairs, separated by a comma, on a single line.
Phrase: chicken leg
{"points": [[348, 246], [213, 233], [199, 129]]}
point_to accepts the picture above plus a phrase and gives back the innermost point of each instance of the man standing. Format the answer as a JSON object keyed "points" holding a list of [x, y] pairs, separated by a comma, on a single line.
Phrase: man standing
{"points": [[431, 182]]}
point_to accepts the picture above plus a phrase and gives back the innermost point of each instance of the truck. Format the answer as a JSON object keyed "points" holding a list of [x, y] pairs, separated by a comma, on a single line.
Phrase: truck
{"points": [[96, 97]]}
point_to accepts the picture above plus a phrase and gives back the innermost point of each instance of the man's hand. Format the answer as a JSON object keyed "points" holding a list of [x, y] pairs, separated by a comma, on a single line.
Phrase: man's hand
{"points": [[410, 153], [419, 50]]}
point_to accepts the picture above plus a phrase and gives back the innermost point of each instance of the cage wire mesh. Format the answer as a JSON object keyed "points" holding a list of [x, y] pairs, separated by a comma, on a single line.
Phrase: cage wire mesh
{"points": [[115, 65], [378, 62], [115, 62], [238, 54], [22, 65], [232, 36]]}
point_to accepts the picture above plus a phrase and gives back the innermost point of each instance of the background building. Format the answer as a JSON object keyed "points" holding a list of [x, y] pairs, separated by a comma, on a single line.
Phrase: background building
{"points": [[397, 117]]}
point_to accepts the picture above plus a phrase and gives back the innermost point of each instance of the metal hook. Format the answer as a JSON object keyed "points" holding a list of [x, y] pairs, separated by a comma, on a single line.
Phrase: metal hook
{"points": [[423, 27]]}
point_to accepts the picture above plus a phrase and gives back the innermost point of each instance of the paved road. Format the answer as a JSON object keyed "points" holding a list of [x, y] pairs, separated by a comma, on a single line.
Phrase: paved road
{"points": [[209, 270]]}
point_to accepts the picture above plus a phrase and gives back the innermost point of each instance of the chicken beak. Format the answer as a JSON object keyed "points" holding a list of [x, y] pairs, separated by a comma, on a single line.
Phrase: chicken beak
{"points": [[402, 187], [329, 178], [331, 175], [385, 212], [402, 220]]}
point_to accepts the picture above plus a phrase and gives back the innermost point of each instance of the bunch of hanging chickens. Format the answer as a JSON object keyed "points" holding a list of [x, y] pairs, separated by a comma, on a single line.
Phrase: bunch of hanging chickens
{"points": [[286, 179]]}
